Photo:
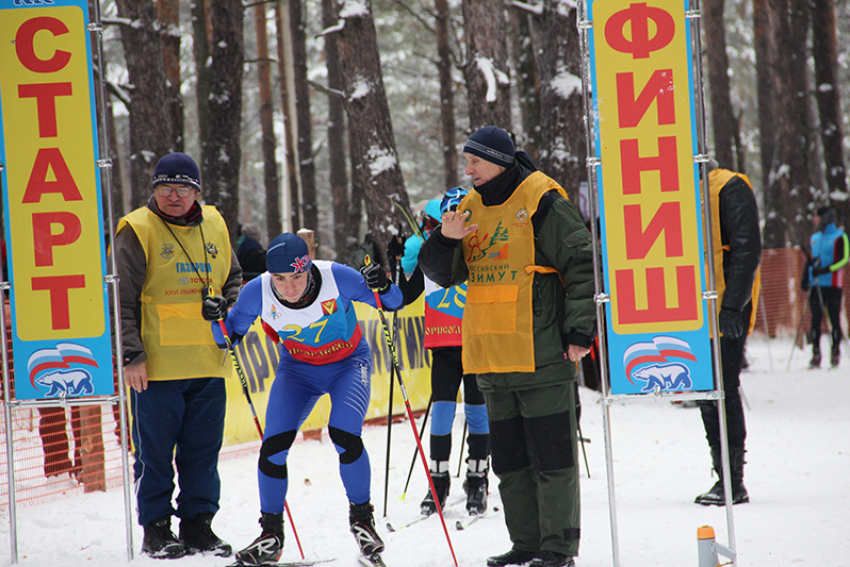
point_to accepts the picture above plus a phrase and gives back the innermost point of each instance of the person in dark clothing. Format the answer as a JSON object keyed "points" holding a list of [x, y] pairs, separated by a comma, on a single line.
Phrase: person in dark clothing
{"points": [[737, 253], [443, 322], [824, 280], [529, 317]]}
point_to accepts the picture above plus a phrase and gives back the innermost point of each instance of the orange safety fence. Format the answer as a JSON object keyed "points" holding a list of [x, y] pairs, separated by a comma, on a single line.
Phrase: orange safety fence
{"points": [[63, 451]]}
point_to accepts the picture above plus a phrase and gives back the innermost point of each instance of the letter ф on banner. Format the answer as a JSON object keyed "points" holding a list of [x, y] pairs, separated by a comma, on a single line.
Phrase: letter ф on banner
{"points": [[52, 193], [649, 196]]}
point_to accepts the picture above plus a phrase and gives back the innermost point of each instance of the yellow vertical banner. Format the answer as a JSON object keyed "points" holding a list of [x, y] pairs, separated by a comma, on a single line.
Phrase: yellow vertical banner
{"points": [[645, 138], [53, 202]]}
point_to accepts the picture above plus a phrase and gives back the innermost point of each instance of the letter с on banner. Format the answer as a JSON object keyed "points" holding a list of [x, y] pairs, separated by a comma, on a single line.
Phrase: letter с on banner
{"points": [[642, 77], [51, 190]]}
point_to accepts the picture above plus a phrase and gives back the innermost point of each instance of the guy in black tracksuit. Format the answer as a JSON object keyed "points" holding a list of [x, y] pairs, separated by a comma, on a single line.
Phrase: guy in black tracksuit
{"points": [[737, 253]]}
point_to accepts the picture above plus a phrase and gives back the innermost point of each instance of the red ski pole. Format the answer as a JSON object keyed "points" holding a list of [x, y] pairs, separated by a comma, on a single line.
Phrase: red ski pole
{"points": [[394, 361]]}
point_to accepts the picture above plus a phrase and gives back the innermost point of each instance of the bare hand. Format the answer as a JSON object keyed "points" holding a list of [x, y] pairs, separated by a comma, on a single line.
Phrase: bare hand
{"points": [[453, 225], [576, 353], [136, 376]]}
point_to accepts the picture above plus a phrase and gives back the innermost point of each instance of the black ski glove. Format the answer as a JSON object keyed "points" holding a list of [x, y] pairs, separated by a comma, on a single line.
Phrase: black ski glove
{"points": [[375, 278], [731, 323], [819, 270], [395, 250], [214, 308]]}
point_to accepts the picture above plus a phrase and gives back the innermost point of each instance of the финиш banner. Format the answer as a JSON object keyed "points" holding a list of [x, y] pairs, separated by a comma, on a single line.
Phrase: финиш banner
{"points": [[53, 203], [649, 197]]}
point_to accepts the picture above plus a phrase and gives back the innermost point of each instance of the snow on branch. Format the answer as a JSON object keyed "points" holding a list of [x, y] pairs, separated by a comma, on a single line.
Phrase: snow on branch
{"points": [[354, 9], [380, 160], [566, 84], [333, 29], [492, 76], [536, 10]]}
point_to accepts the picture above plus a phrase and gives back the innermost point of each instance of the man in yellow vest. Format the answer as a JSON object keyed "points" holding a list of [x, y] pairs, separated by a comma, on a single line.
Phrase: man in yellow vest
{"points": [[737, 253], [526, 256], [169, 254]]}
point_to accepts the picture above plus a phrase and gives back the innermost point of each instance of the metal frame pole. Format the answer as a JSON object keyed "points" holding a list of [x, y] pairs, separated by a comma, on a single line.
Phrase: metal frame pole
{"points": [[105, 164], [584, 26], [10, 438], [694, 15]]}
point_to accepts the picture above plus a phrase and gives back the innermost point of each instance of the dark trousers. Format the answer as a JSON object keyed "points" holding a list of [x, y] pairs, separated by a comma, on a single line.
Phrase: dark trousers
{"points": [[829, 297], [732, 355], [178, 422], [446, 377]]}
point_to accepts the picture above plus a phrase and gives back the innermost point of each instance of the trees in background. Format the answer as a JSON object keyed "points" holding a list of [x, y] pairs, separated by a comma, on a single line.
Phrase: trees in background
{"points": [[775, 110]]}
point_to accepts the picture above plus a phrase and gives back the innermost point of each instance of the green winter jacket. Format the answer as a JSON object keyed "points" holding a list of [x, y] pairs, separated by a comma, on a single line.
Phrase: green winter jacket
{"points": [[565, 313]]}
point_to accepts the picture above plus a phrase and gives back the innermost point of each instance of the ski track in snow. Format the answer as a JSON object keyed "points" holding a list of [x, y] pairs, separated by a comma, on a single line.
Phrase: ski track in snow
{"points": [[797, 475]]}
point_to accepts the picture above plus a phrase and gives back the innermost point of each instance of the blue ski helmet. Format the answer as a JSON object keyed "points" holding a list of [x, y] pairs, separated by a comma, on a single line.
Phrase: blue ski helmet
{"points": [[452, 199]]}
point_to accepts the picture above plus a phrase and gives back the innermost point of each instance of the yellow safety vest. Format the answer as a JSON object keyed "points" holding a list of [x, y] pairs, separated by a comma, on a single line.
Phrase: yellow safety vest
{"points": [[717, 180], [497, 321], [178, 341]]}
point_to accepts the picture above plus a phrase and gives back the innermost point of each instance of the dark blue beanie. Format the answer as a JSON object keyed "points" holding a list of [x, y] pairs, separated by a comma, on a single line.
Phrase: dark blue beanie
{"points": [[492, 144], [288, 253], [177, 168]]}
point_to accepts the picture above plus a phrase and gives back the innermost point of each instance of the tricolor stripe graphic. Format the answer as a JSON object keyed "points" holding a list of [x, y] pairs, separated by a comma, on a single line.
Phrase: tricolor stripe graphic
{"points": [[657, 351]]}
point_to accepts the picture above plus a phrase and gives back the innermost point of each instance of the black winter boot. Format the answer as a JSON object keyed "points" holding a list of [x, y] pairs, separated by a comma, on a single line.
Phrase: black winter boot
{"points": [[160, 542], [552, 559], [835, 357], [716, 495], [197, 535], [475, 486], [363, 527], [815, 361], [442, 484], [266, 549], [512, 557]]}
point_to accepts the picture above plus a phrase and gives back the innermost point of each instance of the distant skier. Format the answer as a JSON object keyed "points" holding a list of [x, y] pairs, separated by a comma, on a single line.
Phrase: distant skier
{"points": [[309, 307], [825, 275]]}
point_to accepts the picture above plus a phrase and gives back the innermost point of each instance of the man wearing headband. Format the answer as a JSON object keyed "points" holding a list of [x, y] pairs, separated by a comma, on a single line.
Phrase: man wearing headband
{"points": [[526, 256], [307, 307], [168, 254]]}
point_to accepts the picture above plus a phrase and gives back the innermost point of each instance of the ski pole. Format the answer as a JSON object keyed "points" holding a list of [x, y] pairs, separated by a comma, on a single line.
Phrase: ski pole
{"points": [[254, 413], [404, 396], [389, 432], [390, 409], [462, 442], [799, 330], [413, 459]]}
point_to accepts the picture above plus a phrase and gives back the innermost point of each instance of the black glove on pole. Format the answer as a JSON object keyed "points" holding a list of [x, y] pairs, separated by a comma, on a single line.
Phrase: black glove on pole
{"points": [[375, 277]]}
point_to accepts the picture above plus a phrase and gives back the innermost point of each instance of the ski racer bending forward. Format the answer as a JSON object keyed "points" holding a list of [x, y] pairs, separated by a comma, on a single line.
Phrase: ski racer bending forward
{"points": [[309, 306]]}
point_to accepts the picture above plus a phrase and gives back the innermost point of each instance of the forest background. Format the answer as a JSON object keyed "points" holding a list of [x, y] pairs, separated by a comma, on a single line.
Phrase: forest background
{"points": [[334, 115]]}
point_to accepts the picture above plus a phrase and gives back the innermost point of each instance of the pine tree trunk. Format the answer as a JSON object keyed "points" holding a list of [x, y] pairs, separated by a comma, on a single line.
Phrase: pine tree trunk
{"points": [[271, 182], [150, 133], [447, 94], [369, 122], [201, 35], [562, 138], [789, 175], [825, 54], [764, 34], [224, 156], [168, 14], [287, 88], [527, 81], [486, 67], [722, 115], [345, 235], [309, 209]]}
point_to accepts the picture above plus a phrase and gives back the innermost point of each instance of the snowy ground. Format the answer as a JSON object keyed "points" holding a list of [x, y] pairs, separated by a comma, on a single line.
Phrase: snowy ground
{"points": [[798, 476]]}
